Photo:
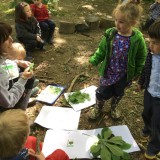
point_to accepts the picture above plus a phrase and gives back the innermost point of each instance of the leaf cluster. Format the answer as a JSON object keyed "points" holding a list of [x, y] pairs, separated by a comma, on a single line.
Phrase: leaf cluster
{"points": [[31, 67], [54, 90], [78, 97], [110, 147]]}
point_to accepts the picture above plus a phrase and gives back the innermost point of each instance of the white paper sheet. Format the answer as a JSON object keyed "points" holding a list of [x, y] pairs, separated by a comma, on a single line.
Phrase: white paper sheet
{"points": [[91, 91], [58, 118], [82, 140]]}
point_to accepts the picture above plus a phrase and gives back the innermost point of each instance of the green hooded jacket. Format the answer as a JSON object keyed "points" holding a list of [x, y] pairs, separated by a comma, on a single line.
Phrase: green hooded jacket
{"points": [[136, 54]]}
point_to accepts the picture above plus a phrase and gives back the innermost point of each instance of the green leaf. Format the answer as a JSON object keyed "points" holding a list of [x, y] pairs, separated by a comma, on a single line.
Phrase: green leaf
{"points": [[125, 146], [114, 149], [105, 153], [115, 157], [95, 150], [116, 140], [99, 136], [126, 156], [106, 132]]}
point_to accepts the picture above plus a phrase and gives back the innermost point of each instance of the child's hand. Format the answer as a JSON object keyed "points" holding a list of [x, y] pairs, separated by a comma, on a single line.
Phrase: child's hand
{"points": [[23, 64], [39, 39], [27, 74], [40, 156]]}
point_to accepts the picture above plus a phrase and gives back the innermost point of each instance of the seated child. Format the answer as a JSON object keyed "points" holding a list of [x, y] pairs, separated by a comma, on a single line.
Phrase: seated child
{"points": [[27, 28], [14, 140], [18, 53], [47, 26]]}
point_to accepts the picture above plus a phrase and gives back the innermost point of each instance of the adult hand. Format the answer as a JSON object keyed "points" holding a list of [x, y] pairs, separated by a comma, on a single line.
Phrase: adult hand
{"points": [[40, 156]]}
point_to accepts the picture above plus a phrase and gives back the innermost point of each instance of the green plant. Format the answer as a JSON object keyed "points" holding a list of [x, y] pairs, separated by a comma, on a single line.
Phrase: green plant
{"points": [[31, 67], [78, 97], [110, 147]]}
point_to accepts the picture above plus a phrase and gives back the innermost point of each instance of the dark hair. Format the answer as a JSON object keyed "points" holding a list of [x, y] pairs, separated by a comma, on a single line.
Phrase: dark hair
{"points": [[20, 15], [154, 30], [5, 32]]}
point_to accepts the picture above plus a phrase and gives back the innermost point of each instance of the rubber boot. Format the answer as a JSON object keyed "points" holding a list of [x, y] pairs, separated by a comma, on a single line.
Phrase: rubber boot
{"points": [[96, 111], [115, 113]]}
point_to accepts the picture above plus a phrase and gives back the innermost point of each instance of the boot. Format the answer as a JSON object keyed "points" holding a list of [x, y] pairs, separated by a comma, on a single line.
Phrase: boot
{"points": [[96, 111], [115, 113], [23, 102]]}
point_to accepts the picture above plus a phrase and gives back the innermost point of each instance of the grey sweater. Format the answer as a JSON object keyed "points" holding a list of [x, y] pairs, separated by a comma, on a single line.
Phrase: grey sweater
{"points": [[8, 98]]}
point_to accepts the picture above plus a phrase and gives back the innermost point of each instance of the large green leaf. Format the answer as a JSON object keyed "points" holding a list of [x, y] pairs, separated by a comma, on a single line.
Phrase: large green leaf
{"points": [[105, 153], [114, 149], [126, 156], [95, 150], [106, 133], [116, 140], [115, 157], [125, 146]]}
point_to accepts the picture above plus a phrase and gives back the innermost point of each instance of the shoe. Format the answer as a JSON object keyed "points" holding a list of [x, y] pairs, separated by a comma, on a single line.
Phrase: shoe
{"points": [[35, 91], [94, 113], [115, 114], [148, 157], [50, 41], [36, 82], [144, 137]]}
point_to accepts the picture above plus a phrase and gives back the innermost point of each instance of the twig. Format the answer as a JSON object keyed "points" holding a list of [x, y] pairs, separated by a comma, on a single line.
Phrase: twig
{"points": [[73, 81], [38, 151]]}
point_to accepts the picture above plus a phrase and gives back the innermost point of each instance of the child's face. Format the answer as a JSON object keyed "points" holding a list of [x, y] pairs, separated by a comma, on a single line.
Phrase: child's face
{"points": [[154, 45], [28, 11], [158, 1], [7, 45], [122, 25], [37, 2]]}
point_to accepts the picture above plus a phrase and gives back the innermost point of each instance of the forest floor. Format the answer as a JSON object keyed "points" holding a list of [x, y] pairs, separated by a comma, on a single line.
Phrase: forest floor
{"points": [[68, 57]]}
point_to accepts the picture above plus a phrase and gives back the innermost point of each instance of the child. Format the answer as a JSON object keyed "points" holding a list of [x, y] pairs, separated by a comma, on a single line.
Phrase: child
{"points": [[14, 140], [17, 94], [154, 14], [27, 28], [18, 52], [41, 14], [122, 53], [150, 80]]}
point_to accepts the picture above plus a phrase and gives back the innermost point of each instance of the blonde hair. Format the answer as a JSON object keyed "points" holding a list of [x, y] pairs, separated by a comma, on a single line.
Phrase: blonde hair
{"points": [[131, 9], [19, 51], [14, 129]]}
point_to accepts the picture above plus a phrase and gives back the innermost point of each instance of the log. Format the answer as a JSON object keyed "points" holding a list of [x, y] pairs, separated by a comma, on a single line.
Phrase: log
{"points": [[92, 21], [66, 27]]}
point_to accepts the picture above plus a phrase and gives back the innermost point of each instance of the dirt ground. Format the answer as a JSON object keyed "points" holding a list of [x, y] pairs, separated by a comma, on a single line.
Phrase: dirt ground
{"points": [[68, 57]]}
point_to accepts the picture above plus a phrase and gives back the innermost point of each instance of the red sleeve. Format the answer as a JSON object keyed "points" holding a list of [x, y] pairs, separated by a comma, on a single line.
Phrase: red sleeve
{"points": [[31, 143]]}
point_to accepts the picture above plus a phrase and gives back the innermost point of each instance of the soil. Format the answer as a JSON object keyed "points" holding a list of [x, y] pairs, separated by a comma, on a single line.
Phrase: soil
{"points": [[68, 57]]}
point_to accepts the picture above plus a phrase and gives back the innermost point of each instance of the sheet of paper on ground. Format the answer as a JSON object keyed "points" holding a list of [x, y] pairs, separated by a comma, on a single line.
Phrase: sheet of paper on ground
{"points": [[58, 118], [77, 143], [91, 91], [50, 94]]}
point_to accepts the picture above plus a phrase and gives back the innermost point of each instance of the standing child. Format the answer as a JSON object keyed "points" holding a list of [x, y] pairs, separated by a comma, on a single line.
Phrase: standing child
{"points": [[154, 14], [27, 28], [40, 12], [122, 54], [15, 144], [150, 80]]}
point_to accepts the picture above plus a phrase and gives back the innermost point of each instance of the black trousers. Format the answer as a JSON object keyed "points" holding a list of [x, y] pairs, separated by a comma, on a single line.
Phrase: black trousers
{"points": [[115, 90], [151, 118]]}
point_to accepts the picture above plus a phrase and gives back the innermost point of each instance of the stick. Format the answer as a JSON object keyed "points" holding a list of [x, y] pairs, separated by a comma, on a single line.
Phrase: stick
{"points": [[73, 81], [38, 151]]}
